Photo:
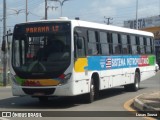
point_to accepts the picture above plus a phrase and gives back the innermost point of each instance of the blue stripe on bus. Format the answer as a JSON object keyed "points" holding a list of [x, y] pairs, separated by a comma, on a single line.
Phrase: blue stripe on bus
{"points": [[115, 62]]}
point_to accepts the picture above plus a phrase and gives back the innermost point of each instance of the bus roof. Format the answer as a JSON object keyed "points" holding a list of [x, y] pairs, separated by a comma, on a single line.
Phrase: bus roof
{"points": [[111, 28], [100, 26]]}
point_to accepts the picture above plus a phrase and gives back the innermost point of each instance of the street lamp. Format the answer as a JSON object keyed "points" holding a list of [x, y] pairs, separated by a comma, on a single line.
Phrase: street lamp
{"points": [[61, 3]]}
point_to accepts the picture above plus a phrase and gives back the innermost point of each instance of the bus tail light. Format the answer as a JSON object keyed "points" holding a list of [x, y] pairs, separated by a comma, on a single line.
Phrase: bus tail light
{"points": [[64, 78]]}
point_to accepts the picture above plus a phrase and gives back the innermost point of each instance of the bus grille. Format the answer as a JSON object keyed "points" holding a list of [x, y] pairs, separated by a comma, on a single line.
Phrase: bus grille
{"points": [[41, 91]]}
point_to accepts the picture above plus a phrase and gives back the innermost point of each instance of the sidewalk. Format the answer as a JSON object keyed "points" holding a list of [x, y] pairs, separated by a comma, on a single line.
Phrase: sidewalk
{"points": [[148, 102]]}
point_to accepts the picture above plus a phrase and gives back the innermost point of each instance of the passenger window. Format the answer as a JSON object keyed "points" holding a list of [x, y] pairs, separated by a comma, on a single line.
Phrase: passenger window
{"points": [[141, 45], [133, 44], [116, 45], [125, 47], [148, 46], [104, 43], [93, 47], [152, 45]]}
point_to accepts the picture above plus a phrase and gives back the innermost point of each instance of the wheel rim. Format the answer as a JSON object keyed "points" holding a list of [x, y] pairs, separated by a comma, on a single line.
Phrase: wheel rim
{"points": [[137, 80]]}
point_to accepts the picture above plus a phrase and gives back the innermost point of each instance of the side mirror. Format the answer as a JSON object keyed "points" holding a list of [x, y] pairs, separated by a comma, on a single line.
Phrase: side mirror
{"points": [[79, 43], [3, 45]]}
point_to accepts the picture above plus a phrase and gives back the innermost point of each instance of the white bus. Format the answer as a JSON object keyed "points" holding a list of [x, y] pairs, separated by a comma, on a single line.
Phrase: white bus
{"points": [[65, 57]]}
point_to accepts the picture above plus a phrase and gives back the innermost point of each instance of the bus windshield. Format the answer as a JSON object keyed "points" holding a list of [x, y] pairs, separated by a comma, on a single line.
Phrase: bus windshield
{"points": [[41, 50]]}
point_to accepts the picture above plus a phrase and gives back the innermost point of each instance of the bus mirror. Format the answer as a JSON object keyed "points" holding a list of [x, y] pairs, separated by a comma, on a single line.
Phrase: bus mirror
{"points": [[79, 43], [3, 46]]}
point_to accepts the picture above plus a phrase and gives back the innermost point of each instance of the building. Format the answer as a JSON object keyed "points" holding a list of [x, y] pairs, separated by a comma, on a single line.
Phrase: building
{"points": [[150, 24]]}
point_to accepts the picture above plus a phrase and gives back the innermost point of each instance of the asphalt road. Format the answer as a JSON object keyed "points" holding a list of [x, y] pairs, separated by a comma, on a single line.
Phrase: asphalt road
{"points": [[110, 100]]}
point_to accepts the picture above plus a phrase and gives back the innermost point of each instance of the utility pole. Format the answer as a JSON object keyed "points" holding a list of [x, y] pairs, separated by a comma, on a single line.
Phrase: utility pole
{"points": [[26, 10], [137, 14], [159, 7], [46, 10], [4, 53], [108, 20]]}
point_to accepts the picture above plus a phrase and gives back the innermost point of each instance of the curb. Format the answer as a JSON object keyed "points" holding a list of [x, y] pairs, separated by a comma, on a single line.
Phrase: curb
{"points": [[127, 106], [142, 106]]}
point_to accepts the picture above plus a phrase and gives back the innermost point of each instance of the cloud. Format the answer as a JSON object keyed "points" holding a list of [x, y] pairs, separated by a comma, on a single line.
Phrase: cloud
{"points": [[147, 11], [120, 3]]}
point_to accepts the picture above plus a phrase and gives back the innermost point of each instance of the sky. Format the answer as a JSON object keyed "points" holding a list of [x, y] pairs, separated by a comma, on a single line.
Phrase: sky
{"points": [[89, 10]]}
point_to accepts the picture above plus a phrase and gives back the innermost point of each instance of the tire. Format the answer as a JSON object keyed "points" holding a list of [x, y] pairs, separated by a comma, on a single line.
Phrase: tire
{"points": [[91, 96], [43, 99], [136, 85]]}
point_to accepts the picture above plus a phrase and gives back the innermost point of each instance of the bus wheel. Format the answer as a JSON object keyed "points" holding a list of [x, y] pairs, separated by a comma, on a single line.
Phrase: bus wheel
{"points": [[89, 98], [136, 85], [43, 99]]}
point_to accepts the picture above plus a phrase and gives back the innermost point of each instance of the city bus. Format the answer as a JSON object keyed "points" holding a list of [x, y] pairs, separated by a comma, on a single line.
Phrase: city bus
{"points": [[63, 57]]}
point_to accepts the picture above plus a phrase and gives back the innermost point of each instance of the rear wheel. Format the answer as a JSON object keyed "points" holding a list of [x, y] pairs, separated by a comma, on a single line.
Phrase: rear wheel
{"points": [[136, 85]]}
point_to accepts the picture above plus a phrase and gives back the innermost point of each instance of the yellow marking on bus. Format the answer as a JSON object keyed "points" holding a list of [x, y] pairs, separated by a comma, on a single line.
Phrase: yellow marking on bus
{"points": [[80, 64], [46, 82]]}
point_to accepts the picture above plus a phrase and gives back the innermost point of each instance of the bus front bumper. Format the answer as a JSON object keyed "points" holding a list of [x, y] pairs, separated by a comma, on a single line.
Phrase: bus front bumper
{"points": [[62, 90]]}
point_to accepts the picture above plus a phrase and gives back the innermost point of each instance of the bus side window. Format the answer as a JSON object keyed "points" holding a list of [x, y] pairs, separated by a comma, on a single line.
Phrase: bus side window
{"points": [[148, 46], [138, 45], [80, 46], [129, 44], [93, 44], [80, 39], [104, 43], [141, 45], [152, 45], [124, 40], [116, 44], [109, 37], [134, 49]]}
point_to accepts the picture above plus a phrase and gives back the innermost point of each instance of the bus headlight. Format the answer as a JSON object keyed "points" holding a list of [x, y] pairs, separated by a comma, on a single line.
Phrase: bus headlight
{"points": [[64, 78]]}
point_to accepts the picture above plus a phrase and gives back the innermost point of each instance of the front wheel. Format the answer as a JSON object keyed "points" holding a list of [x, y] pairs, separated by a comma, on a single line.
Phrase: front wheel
{"points": [[89, 98]]}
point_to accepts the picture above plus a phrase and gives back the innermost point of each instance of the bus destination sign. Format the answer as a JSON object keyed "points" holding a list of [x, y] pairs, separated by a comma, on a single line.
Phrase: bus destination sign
{"points": [[42, 29]]}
